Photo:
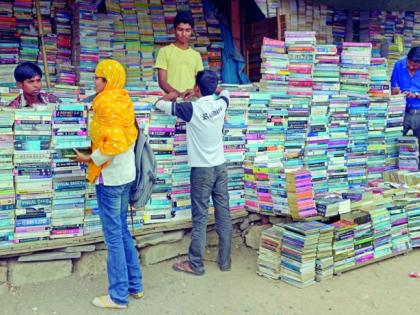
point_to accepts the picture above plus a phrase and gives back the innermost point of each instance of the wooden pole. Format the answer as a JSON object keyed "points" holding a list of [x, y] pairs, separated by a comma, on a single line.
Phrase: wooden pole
{"points": [[41, 35]]}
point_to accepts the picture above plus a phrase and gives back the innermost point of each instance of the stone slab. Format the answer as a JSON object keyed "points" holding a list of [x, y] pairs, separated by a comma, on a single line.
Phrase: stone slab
{"points": [[49, 256], [81, 249], [3, 274], [161, 252], [159, 238], [253, 236], [36, 272], [91, 264]]}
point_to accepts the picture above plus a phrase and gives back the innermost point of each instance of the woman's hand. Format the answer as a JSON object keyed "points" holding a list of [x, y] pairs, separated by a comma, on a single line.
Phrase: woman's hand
{"points": [[81, 158]]}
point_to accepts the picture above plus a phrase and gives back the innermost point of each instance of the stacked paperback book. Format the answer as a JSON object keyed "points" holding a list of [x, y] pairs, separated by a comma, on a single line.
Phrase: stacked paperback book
{"points": [[33, 174], [298, 253], [7, 189], [270, 252]]}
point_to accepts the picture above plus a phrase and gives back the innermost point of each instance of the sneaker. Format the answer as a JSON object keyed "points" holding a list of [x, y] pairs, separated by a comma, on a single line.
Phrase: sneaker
{"points": [[105, 301], [137, 296]]}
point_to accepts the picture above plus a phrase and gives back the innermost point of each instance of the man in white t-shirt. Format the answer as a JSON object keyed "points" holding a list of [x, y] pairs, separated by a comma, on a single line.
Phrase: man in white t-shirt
{"points": [[205, 118]]}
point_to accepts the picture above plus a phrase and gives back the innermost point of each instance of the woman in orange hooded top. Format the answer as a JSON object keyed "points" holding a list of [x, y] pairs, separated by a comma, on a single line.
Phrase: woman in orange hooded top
{"points": [[111, 166]]}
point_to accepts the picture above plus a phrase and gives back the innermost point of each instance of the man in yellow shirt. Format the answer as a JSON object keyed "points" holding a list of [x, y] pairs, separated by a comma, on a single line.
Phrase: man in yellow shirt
{"points": [[177, 63]]}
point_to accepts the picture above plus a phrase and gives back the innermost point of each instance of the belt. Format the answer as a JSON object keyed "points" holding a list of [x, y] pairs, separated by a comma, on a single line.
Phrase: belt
{"points": [[414, 111]]}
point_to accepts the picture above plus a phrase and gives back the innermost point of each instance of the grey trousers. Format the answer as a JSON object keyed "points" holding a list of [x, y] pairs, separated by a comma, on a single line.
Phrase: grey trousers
{"points": [[206, 182]]}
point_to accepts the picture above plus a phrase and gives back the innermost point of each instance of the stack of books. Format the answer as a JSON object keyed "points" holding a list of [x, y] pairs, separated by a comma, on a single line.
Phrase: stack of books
{"points": [[343, 246], [92, 221], [170, 11], [338, 143], [381, 223], [400, 238], [33, 179], [354, 71], [66, 73], [297, 125], [28, 48], [317, 143], [234, 146], [132, 42], [180, 195], [298, 253], [269, 253], [324, 263], [216, 43], [69, 131], [89, 50], [393, 130], [201, 39], [277, 178], [379, 85], [301, 54], [9, 44], [413, 212], [376, 138], [22, 10], [161, 139], [326, 74], [300, 194], [105, 36], [357, 147], [7, 195], [274, 66], [158, 21], [146, 40], [262, 182], [363, 235], [408, 153]]}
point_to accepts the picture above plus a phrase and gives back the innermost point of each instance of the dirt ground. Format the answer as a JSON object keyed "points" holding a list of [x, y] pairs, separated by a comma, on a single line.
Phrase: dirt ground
{"points": [[383, 288]]}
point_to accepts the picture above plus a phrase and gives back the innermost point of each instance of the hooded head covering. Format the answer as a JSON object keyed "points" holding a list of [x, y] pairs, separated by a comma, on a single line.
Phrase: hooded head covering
{"points": [[112, 128]]}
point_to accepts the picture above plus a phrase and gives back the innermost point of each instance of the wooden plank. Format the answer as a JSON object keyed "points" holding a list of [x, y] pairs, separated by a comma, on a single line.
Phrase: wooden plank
{"points": [[372, 261], [31, 247], [41, 36]]}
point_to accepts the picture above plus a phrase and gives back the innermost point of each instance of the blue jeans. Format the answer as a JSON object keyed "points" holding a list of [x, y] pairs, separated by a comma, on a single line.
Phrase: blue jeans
{"points": [[206, 182], [124, 271]]}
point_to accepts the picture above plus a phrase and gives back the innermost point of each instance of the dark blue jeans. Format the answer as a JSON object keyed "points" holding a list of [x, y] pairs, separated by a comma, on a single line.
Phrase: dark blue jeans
{"points": [[412, 121], [206, 182], [124, 271]]}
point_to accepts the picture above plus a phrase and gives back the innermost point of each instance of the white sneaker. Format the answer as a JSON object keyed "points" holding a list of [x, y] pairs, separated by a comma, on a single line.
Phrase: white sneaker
{"points": [[105, 301]]}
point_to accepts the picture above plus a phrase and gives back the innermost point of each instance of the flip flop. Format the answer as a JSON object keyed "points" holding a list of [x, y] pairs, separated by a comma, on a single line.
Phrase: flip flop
{"points": [[184, 266], [414, 274]]}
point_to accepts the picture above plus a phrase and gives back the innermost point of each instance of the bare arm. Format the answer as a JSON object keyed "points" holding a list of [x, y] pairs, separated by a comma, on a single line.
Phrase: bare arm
{"points": [[163, 83]]}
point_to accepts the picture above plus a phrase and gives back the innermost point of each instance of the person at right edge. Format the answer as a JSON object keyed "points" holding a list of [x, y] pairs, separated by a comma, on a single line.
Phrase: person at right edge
{"points": [[177, 64], [405, 79], [204, 119]]}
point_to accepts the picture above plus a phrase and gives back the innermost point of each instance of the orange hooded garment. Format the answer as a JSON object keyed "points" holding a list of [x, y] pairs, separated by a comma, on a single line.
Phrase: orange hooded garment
{"points": [[112, 129]]}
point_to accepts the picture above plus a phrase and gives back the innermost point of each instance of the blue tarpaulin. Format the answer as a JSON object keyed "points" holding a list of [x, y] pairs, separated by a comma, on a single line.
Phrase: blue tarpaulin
{"points": [[233, 63]]}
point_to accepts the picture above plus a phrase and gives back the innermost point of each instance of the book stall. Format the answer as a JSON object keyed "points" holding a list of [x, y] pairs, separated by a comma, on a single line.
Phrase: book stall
{"points": [[316, 141]]}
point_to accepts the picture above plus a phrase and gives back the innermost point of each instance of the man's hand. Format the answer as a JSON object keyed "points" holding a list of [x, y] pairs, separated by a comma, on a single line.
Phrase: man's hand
{"points": [[409, 94], [81, 158], [187, 95], [171, 96], [395, 91]]}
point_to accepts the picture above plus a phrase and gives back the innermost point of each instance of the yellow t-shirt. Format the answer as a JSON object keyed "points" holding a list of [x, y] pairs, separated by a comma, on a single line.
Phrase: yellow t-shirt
{"points": [[181, 65]]}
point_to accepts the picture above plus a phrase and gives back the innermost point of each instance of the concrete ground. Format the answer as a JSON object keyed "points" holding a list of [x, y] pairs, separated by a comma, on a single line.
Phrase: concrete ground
{"points": [[383, 288]]}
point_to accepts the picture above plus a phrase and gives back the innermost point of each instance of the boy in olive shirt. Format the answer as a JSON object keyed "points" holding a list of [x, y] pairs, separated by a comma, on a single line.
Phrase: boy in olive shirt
{"points": [[177, 63]]}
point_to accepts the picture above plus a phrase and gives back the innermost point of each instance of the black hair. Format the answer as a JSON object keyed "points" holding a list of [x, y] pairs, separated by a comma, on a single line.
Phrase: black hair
{"points": [[414, 54], [207, 82], [27, 70], [184, 17]]}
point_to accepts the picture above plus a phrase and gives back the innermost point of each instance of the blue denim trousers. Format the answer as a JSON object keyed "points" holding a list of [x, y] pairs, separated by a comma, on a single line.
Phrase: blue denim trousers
{"points": [[206, 182], [124, 271]]}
